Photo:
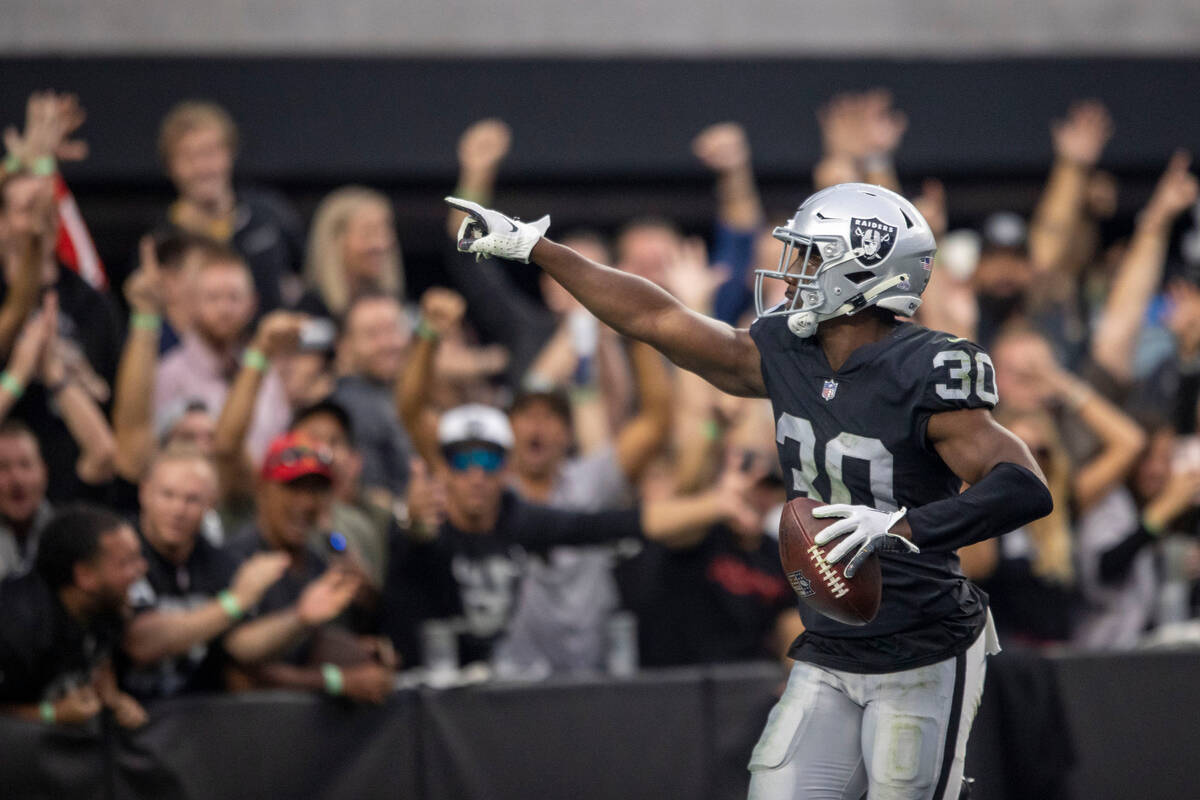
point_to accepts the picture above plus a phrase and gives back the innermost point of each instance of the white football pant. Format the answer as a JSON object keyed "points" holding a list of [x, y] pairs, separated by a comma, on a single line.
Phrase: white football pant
{"points": [[895, 736]]}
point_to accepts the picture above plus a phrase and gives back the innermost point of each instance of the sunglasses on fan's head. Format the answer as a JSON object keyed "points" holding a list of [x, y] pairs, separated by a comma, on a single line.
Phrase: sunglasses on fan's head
{"points": [[489, 459]]}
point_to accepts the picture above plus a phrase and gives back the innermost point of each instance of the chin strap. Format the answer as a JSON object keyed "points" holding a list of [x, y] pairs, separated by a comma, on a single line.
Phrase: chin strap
{"points": [[859, 302], [804, 323]]}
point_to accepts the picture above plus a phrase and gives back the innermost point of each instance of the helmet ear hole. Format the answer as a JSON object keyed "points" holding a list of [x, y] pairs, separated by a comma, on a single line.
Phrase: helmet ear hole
{"points": [[860, 277]]}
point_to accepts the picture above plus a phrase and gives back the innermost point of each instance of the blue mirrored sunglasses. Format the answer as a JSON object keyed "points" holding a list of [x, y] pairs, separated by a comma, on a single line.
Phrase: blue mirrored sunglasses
{"points": [[487, 460]]}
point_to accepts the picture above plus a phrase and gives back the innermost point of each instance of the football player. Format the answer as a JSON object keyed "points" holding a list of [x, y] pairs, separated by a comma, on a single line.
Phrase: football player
{"points": [[881, 419]]}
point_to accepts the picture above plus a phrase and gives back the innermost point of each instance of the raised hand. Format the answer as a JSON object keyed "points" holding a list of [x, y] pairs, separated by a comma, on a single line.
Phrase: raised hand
{"points": [[882, 126], [257, 574], [1176, 190], [279, 333], [51, 368], [722, 147], [1081, 137], [442, 310], [144, 288], [841, 131], [483, 146], [30, 344], [50, 119], [931, 202], [689, 277], [426, 500]]}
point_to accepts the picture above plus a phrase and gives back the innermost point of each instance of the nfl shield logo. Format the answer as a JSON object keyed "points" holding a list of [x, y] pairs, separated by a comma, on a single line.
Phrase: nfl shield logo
{"points": [[873, 237], [829, 390], [800, 584]]}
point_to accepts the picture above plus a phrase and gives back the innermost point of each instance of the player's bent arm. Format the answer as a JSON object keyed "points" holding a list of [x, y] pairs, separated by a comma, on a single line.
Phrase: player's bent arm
{"points": [[1007, 488], [635, 307]]}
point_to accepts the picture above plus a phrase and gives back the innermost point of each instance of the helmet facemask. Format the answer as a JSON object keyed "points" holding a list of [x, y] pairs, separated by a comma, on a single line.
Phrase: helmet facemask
{"points": [[801, 264], [849, 247]]}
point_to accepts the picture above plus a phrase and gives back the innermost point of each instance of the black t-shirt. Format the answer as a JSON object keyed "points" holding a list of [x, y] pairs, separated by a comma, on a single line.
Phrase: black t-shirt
{"points": [[87, 322], [268, 234], [477, 575], [180, 587], [284, 592], [1029, 609], [857, 435], [44, 651], [715, 602]]}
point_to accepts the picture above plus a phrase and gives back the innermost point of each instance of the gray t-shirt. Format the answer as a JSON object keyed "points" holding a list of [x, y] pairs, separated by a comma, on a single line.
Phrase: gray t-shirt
{"points": [[1114, 615], [565, 601], [378, 433]]}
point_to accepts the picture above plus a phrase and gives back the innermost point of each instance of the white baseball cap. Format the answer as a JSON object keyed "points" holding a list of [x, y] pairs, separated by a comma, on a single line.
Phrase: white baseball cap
{"points": [[475, 422]]}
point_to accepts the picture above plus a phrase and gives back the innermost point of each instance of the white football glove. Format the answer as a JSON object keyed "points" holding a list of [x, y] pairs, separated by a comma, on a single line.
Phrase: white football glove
{"points": [[489, 233], [867, 529]]}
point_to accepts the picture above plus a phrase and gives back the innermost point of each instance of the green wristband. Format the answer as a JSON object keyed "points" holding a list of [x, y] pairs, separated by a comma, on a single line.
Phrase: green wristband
{"points": [[145, 320], [12, 164], [46, 712], [230, 604], [12, 384], [583, 394], [43, 166], [711, 430], [254, 359], [426, 332], [334, 681], [1154, 530]]}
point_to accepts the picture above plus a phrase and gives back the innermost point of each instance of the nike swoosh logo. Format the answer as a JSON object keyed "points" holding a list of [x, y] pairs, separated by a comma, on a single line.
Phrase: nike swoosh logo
{"points": [[514, 225]]}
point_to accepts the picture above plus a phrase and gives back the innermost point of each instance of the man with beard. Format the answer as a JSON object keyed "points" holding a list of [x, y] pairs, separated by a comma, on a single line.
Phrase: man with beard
{"points": [[205, 363], [62, 621]]}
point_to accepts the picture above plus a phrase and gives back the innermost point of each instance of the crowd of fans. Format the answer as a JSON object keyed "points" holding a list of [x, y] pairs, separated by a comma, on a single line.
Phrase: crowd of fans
{"points": [[259, 463]]}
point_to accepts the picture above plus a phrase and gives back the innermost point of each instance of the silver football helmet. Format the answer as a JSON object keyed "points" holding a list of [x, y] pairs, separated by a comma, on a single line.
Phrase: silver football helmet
{"points": [[848, 247]]}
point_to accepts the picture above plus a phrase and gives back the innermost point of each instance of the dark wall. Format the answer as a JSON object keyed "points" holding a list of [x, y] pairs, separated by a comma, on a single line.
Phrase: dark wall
{"points": [[335, 118], [596, 140]]}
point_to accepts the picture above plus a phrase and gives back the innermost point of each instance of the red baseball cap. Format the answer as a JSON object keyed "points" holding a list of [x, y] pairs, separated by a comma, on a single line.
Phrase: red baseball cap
{"points": [[292, 456]]}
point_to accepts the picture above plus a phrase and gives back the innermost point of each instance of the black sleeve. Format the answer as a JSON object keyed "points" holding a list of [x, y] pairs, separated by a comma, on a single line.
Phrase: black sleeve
{"points": [[1116, 562], [1005, 499], [16, 675], [538, 527], [500, 310]]}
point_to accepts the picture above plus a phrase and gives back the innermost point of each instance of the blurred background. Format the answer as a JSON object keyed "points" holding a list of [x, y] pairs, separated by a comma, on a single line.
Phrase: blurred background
{"points": [[309, 355]]}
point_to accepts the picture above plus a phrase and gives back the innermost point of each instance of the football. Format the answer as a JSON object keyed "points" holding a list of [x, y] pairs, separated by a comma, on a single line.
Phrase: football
{"points": [[823, 586]]}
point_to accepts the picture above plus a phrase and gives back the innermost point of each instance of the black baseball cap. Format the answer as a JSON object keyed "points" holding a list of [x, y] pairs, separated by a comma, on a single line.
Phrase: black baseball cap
{"points": [[327, 405]]}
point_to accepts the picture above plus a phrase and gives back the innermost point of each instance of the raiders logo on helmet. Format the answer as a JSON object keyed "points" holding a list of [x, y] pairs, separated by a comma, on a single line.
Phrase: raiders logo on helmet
{"points": [[874, 237]]}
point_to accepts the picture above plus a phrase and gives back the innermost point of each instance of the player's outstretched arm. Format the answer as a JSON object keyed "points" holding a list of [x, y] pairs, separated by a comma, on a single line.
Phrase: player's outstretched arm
{"points": [[635, 307]]}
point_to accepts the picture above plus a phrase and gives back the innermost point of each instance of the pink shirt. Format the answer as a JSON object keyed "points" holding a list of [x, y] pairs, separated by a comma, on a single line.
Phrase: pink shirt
{"points": [[193, 370]]}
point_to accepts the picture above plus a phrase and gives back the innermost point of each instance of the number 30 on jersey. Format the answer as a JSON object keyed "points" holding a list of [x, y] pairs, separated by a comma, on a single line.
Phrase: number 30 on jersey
{"points": [[958, 388]]}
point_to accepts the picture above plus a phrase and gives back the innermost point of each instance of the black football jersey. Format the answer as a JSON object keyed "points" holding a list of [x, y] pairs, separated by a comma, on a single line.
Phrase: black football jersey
{"points": [[857, 435]]}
